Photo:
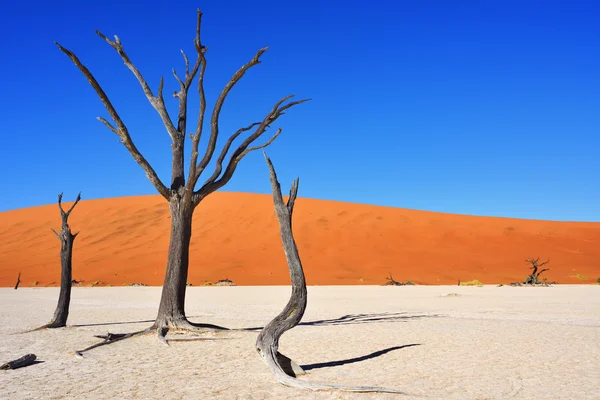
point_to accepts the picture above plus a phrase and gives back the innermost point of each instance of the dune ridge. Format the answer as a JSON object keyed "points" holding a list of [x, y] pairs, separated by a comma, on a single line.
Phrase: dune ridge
{"points": [[236, 236]]}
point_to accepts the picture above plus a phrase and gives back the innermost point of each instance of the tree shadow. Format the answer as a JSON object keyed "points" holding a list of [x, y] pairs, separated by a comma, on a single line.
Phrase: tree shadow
{"points": [[113, 323], [328, 364], [147, 321], [348, 319], [351, 319]]}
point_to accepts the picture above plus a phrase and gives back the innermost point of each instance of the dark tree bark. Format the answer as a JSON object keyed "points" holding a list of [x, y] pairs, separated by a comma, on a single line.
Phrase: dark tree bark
{"points": [[26, 360], [171, 311], [66, 267], [182, 195], [267, 343]]}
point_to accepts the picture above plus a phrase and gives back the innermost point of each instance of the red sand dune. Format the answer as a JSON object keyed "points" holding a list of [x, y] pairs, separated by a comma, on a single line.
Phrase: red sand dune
{"points": [[236, 236]]}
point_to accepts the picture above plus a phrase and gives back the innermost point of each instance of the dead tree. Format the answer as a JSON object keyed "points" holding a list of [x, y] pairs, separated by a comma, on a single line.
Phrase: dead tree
{"points": [[18, 281], [267, 343], [66, 267], [391, 281], [182, 195], [533, 278]]}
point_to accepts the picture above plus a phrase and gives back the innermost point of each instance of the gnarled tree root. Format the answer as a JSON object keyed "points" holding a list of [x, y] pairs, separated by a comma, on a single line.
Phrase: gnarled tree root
{"points": [[270, 356], [267, 343], [183, 326], [49, 325]]}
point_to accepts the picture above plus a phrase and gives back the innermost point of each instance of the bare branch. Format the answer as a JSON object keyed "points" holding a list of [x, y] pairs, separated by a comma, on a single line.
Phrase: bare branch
{"points": [[56, 233], [276, 188], [293, 194], [243, 149], [262, 146], [121, 129], [62, 212], [74, 204], [214, 123], [225, 150], [156, 102], [187, 62], [181, 83], [201, 59], [178, 174], [109, 125]]}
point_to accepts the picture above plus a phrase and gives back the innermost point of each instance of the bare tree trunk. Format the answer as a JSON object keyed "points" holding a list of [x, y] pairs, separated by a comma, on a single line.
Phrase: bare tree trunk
{"points": [[18, 281], [267, 344], [171, 311], [66, 267], [66, 276]]}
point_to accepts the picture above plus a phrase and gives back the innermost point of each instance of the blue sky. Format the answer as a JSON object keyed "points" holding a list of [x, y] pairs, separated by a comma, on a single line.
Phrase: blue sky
{"points": [[471, 107]]}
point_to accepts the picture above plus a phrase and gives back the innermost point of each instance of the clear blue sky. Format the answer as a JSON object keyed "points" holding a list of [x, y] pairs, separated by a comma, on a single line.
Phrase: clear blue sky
{"points": [[471, 107]]}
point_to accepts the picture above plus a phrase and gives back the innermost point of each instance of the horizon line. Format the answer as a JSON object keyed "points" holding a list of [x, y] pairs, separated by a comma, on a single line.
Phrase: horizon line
{"points": [[334, 201]]}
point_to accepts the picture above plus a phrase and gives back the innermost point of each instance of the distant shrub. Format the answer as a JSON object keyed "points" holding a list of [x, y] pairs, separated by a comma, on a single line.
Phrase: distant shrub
{"points": [[598, 280], [35, 283], [474, 282], [583, 278]]}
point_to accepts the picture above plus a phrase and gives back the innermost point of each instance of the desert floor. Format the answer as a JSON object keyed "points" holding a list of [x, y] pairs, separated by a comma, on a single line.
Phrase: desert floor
{"points": [[236, 236], [439, 342]]}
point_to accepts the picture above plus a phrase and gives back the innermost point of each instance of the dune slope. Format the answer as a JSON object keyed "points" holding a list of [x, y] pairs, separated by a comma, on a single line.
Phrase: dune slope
{"points": [[236, 236]]}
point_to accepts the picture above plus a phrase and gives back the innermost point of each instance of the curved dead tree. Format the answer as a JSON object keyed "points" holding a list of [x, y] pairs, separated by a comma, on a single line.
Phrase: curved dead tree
{"points": [[66, 268], [182, 193], [267, 343]]}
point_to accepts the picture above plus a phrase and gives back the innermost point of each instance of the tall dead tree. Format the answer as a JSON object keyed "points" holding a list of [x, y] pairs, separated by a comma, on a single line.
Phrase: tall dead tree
{"points": [[66, 267], [182, 195], [534, 277], [267, 343]]}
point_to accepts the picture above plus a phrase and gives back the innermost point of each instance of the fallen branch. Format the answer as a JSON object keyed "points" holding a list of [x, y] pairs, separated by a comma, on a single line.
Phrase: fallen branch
{"points": [[24, 361], [267, 343]]}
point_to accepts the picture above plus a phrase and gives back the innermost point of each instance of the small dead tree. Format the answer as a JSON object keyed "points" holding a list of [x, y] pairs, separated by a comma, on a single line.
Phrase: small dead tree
{"points": [[392, 282], [267, 343], [18, 281], [66, 267], [534, 277], [182, 195]]}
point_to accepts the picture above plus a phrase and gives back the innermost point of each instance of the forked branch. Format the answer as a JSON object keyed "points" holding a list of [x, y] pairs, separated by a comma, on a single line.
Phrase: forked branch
{"points": [[215, 182], [120, 129], [267, 343], [157, 101], [214, 121]]}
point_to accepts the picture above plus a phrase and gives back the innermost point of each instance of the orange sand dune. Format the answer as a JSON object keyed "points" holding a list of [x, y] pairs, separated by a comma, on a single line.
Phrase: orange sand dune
{"points": [[236, 236]]}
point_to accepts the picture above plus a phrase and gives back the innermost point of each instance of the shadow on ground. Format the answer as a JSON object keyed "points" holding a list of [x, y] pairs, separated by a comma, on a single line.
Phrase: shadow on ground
{"points": [[147, 321], [351, 319], [376, 354]]}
